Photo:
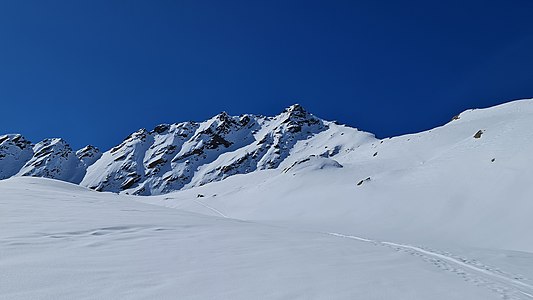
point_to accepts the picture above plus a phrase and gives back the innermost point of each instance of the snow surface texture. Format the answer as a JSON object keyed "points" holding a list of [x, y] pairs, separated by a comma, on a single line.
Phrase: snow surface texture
{"points": [[61, 241], [441, 214]]}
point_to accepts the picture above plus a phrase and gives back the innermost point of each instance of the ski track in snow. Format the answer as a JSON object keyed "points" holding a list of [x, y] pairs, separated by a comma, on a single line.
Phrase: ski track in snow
{"points": [[211, 208], [507, 287]]}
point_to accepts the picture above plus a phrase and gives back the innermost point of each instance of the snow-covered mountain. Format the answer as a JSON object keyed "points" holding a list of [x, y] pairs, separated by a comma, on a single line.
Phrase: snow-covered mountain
{"points": [[88, 155], [51, 158], [15, 151], [183, 155], [289, 206], [469, 182]]}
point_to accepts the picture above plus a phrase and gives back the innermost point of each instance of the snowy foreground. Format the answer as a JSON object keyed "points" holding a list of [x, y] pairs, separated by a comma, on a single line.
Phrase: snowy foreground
{"points": [[59, 240]]}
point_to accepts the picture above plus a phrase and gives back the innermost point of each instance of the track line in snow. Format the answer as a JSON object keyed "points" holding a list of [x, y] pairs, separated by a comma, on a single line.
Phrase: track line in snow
{"points": [[463, 264], [508, 287], [211, 208], [517, 285]]}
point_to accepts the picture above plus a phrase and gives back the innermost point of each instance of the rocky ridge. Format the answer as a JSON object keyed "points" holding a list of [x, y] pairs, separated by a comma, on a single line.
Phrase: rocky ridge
{"points": [[176, 156]]}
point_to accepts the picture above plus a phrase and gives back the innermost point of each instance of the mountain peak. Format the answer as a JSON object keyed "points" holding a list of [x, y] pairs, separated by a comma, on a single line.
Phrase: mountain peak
{"points": [[14, 139], [223, 116], [295, 108], [53, 158], [15, 151], [88, 155], [54, 141], [173, 156]]}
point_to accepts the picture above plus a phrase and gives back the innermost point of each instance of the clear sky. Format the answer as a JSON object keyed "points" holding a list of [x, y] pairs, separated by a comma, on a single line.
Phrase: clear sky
{"points": [[95, 71]]}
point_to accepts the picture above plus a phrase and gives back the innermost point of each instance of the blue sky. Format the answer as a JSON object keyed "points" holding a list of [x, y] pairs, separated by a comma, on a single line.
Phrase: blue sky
{"points": [[95, 71]]}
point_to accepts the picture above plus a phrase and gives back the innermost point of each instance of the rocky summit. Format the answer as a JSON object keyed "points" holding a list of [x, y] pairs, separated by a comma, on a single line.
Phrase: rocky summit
{"points": [[176, 156]]}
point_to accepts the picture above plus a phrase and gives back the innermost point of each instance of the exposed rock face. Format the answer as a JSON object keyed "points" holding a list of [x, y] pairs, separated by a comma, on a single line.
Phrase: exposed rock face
{"points": [[122, 166], [88, 155], [313, 162], [53, 158], [15, 151], [176, 156], [173, 156]]}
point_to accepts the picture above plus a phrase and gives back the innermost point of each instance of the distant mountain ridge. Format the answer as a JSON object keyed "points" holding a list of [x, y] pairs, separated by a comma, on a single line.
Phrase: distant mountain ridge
{"points": [[182, 155]]}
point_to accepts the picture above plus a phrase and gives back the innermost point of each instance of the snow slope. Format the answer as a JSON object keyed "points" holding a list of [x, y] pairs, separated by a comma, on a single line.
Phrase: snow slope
{"points": [[440, 188], [50, 158], [440, 214], [61, 241], [191, 154]]}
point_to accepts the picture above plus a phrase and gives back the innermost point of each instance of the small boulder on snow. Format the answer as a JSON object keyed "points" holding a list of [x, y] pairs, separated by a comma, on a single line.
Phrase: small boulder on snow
{"points": [[363, 180]]}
